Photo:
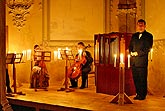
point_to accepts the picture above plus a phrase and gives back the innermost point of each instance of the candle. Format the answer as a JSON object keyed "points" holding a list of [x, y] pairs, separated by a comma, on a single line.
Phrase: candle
{"points": [[24, 55], [55, 55], [97, 52], [121, 58], [29, 54], [66, 50], [129, 60], [80, 53], [151, 53], [115, 57], [59, 53]]}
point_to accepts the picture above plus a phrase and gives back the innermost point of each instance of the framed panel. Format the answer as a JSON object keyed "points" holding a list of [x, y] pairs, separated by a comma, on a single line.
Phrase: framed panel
{"points": [[71, 21]]}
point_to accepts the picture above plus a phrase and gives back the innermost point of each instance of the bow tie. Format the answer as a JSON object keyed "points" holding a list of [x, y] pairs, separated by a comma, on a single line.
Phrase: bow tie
{"points": [[140, 34]]}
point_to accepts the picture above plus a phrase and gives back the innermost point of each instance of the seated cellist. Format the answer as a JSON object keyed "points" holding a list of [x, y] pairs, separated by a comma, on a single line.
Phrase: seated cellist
{"points": [[85, 59]]}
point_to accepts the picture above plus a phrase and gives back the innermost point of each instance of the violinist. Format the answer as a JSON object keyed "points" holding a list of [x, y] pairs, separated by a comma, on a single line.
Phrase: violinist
{"points": [[39, 66], [85, 65]]}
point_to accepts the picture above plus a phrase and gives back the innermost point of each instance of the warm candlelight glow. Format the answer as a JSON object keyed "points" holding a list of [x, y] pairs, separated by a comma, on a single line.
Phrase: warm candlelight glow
{"points": [[67, 49], [122, 58], [24, 55], [80, 53], [55, 55], [129, 60], [115, 57], [29, 54], [59, 53], [97, 51]]}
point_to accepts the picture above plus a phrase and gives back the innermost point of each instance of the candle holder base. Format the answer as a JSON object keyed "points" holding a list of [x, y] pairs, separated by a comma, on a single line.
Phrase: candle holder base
{"points": [[125, 100]]}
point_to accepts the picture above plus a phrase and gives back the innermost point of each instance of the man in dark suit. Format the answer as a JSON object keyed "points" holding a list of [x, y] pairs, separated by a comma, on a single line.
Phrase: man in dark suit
{"points": [[85, 66], [139, 47]]}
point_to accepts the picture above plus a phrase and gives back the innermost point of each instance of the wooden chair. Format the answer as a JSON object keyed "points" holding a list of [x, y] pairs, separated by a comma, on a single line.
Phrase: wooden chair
{"points": [[91, 72]]}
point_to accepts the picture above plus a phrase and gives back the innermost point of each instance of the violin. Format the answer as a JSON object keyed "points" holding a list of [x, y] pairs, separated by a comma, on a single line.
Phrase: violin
{"points": [[74, 72]]}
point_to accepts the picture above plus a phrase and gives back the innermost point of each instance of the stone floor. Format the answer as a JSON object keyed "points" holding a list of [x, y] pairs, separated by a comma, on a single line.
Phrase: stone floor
{"points": [[86, 99]]}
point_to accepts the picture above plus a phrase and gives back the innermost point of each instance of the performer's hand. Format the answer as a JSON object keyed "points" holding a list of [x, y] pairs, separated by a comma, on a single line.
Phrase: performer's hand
{"points": [[84, 54], [134, 54]]}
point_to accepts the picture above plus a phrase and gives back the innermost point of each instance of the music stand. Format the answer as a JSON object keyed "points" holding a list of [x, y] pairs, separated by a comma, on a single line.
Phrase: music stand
{"points": [[13, 58], [10, 58], [67, 56], [42, 56], [18, 57]]}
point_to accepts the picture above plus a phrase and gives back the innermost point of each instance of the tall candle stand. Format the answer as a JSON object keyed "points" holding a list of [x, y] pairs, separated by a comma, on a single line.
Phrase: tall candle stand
{"points": [[121, 97]]}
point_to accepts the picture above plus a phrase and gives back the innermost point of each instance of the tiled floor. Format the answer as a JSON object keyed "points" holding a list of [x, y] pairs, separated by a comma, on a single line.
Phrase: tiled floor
{"points": [[88, 99]]}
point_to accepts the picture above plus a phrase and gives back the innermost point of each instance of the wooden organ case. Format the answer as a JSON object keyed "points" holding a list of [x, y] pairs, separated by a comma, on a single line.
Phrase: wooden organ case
{"points": [[107, 49]]}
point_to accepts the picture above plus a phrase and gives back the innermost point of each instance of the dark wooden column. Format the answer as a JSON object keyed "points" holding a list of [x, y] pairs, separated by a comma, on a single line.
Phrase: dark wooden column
{"points": [[3, 99], [127, 16]]}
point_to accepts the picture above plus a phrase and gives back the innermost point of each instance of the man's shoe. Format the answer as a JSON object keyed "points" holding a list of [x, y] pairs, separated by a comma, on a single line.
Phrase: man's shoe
{"points": [[136, 97], [142, 98], [72, 86], [82, 87]]}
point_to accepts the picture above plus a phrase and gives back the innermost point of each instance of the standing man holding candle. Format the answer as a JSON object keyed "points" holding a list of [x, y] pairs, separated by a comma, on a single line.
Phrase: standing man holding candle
{"points": [[140, 45]]}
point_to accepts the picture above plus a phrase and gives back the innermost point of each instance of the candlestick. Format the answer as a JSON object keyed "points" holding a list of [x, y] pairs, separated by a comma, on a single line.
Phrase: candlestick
{"points": [[97, 52], [55, 55], [121, 58], [59, 53], [28, 54], [24, 55], [129, 60], [18, 55], [115, 57], [66, 50]]}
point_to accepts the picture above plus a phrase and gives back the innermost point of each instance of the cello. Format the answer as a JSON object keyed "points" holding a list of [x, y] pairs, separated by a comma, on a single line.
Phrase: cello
{"points": [[74, 72]]}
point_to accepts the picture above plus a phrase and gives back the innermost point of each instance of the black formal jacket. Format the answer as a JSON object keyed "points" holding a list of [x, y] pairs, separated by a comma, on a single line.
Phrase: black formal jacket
{"points": [[86, 68], [142, 46]]}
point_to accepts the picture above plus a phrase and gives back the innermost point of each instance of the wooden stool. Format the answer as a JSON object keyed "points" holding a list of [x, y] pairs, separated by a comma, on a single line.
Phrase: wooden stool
{"points": [[92, 72]]}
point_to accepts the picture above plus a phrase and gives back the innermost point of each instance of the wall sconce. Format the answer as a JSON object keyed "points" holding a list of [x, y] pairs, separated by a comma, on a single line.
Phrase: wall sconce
{"points": [[19, 9]]}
